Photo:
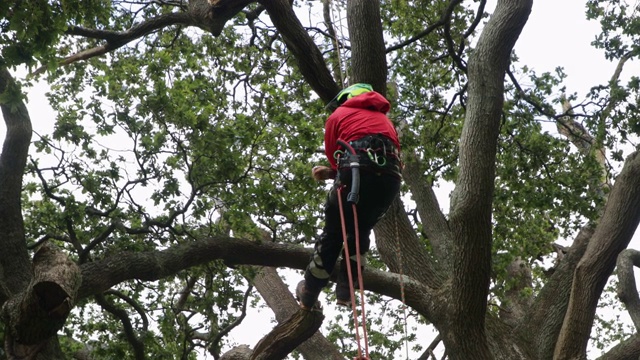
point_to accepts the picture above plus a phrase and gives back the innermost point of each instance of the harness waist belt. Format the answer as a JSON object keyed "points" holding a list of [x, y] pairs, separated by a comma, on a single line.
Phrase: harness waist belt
{"points": [[376, 143]]}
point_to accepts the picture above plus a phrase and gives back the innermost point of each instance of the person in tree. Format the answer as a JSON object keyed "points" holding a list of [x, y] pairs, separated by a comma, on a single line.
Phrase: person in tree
{"points": [[359, 119]]}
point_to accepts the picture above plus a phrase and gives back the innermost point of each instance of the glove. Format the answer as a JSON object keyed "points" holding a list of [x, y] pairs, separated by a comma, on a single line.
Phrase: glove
{"points": [[323, 173]]}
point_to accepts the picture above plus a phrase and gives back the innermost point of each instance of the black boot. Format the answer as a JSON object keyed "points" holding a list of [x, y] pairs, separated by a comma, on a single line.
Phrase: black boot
{"points": [[307, 298], [343, 292]]}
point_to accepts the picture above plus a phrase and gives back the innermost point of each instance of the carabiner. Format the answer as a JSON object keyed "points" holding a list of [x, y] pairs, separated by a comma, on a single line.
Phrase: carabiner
{"points": [[373, 156]]}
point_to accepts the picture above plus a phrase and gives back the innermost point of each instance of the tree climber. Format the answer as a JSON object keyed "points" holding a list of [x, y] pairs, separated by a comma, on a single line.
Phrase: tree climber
{"points": [[359, 119]]}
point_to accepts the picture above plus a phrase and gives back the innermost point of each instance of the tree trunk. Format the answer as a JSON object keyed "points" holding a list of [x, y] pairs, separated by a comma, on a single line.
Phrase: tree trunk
{"points": [[368, 57], [471, 201], [36, 315]]}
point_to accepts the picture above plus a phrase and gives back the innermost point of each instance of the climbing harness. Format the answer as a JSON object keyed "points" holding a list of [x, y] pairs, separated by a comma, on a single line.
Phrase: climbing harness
{"points": [[373, 156], [353, 197], [350, 158]]}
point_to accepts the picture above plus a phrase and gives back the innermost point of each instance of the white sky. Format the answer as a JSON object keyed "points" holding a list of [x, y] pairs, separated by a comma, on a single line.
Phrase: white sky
{"points": [[557, 34]]}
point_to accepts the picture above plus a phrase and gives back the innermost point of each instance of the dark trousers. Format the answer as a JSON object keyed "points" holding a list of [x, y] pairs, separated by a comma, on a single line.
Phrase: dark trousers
{"points": [[378, 188]]}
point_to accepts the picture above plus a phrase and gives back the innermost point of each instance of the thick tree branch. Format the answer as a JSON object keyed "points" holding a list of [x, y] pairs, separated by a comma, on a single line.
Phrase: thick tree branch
{"points": [[516, 304], [368, 58], [436, 226], [286, 336], [14, 261], [545, 317], [100, 275], [277, 295], [402, 251], [586, 144], [37, 313], [308, 56], [612, 235], [627, 290], [628, 349], [471, 204], [209, 15]]}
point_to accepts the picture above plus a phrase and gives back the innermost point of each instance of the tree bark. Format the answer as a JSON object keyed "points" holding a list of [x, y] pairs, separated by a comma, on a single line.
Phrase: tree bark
{"points": [[628, 349], [368, 57], [286, 336], [36, 314], [15, 271], [627, 290], [612, 235], [308, 56], [277, 295], [471, 208], [544, 319], [401, 250]]}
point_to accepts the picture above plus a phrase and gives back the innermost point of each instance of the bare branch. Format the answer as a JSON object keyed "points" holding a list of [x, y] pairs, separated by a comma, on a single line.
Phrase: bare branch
{"points": [[236, 322], [209, 15], [416, 37], [627, 291], [428, 352], [120, 314], [613, 82], [444, 19], [117, 39], [449, 39], [139, 309]]}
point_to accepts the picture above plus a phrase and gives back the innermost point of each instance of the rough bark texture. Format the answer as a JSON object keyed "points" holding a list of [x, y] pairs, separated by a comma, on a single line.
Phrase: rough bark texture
{"points": [[436, 226], [368, 62], [36, 314], [42, 309], [612, 235], [470, 218], [242, 352], [626, 350], [627, 290], [287, 335], [277, 295], [544, 319], [15, 269], [401, 250]]}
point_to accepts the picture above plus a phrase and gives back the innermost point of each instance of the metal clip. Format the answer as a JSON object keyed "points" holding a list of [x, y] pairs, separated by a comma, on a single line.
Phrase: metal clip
{"points": [[373, 156]]}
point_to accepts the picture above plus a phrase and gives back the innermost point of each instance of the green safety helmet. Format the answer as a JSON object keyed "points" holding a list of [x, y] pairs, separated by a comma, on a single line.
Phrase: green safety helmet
{"points": [[348, 93]]}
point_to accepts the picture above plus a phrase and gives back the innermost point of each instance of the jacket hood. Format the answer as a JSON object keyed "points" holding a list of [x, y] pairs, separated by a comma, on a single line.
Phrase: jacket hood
{"points": [[371, 101]]}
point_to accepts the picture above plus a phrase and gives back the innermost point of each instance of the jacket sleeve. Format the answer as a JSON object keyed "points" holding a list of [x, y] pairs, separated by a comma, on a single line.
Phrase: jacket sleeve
{"points": [[330, 139]]}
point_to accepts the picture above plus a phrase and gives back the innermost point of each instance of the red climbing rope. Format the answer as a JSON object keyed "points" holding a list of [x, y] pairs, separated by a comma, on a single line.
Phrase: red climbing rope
{"points": [[350, 276]]}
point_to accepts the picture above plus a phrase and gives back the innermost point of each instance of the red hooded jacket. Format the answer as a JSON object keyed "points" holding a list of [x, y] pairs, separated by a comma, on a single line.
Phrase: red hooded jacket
{"points": [[356, 118]]}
